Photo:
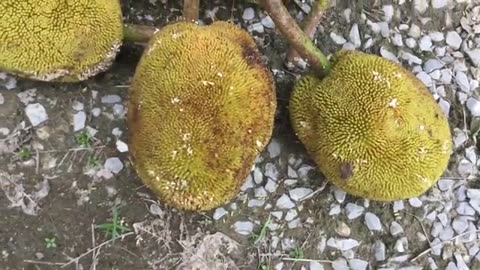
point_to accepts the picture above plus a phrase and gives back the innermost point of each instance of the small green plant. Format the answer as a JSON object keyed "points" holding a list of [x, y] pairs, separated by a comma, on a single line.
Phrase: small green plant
{"points": [[25, 153], [84, 139], [115, 227], [297, 253], [50, 242], [257, 238], [93, 161]]}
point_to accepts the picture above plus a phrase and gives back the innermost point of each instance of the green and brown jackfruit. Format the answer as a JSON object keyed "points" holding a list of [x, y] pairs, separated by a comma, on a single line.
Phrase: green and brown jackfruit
{"points": [[372, 127], [201, 109], [53, 40]]}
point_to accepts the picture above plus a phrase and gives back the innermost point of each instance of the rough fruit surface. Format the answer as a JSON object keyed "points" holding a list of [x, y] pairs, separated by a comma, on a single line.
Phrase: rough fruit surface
{"points": [[59, 40], [201, 109], [372, 127]]}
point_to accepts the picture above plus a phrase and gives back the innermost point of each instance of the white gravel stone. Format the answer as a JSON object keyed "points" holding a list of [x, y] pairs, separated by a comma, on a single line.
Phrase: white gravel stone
{"points": [[443, 219], [274, 148], [438, 4], [357, 264], [78, 106], [432, 64], [453, 40], [398, 205], [437, 36], [248, 184], [410, 58], [384, 29], [415, 202], [397, 40], [291, 214], [299, 193], [380, 249], [243, 227], [255, 203], [373, 222], [445, 184], [445, 106], [36, 113], [396, 228], [248, 14], [414, 31], [256, 27], [388, 12], [113, 165], [118, 109], [420, 5], [446, 234], [411, 43], [4, 131], [271, 171], [268, 22], [353, 210], [425, 43], [121, 146], [219, 213], [291, 173], [474, 56], [354, 36], [388, 55], [461, 265], [342, 244], [473, 105], [96, 112], [294, 223], [465, 209], [335, 209], [260, 192], [271, 186], [338, 39], [339, 194], [284, 202], [340, 264], [425, 78], [460, 224], [79, 120], [462, 81], [257, 176], [111, 99], [315, 266]]}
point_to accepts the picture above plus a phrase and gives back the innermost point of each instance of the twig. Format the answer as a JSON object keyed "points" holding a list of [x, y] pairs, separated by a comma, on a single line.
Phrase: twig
{"points": [[138, 33], [94, 253], [306, 260], [309, 28], [95, 249], [441, 243], [421, 224], [44, 263], [296, 37], [191, 10]]}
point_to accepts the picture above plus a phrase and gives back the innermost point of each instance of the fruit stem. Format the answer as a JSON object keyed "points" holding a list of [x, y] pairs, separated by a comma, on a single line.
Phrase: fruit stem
{"points": [[138, 33], [191, 10], [309, 27], [296, 37]]}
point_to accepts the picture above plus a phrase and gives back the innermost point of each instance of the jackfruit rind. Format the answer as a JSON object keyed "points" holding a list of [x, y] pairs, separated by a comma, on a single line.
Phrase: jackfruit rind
{"points": [[201, 109], [68, 40], [372, 127]]}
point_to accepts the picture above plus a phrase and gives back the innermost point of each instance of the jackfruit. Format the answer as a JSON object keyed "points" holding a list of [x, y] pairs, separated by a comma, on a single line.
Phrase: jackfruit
{"points": [[372, 127], [53, 40], [201, 108]]}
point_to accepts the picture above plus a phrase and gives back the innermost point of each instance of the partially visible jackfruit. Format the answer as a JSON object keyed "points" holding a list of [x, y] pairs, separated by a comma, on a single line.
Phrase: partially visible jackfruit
{"points": [[372, 127], [201, 109], [59, 40]]}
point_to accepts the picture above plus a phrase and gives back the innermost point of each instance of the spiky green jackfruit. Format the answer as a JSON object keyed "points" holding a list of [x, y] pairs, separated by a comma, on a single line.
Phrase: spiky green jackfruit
{"points": [[53, 40], [372, 127], [201, 109]]}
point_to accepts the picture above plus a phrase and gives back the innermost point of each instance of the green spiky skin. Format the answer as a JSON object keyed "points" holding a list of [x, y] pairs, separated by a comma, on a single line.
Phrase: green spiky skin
{"points": [[65, 41], [201, 109], [372, 127]]}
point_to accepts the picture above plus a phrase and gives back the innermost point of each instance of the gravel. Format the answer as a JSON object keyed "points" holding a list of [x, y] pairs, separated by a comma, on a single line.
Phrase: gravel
{"points": [[36, 113], [373, 222], [113, 164], [353, 210], [454, 40], [284, 202], [243, 227]]}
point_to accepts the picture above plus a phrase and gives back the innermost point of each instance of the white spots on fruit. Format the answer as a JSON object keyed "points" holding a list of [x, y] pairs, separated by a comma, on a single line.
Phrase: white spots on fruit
{"points": [[393, 103]]}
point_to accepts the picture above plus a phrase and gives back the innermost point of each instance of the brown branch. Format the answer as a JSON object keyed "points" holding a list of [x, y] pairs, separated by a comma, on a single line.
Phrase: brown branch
{"points": [[296, 37], [191, 10], [309, 28], [138, 33]]}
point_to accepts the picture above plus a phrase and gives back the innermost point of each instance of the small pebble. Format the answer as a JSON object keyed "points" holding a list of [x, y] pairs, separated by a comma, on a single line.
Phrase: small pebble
{"points": [[315, 266], [454, 40], [219, 213], [121, 146], [268, 22], [36, 113], [291, 214], [357, 264], [79, 120], [474, 56], [335, 209], [425, 43], [396, 228], [271, 186], [338, 39], [339, 194], [248, 14], [379, 248], [355, 36], [438, 4], [111, 99], [298, 194], [113, 164], [373, 222], [78, 106], [437, 36], [255, 203], [432, 64], [353, 210], [462, 81], [460, 224], [243, 227], [342, 244], [284, 202], [473, 106], [415, 202], [96, 112]]}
